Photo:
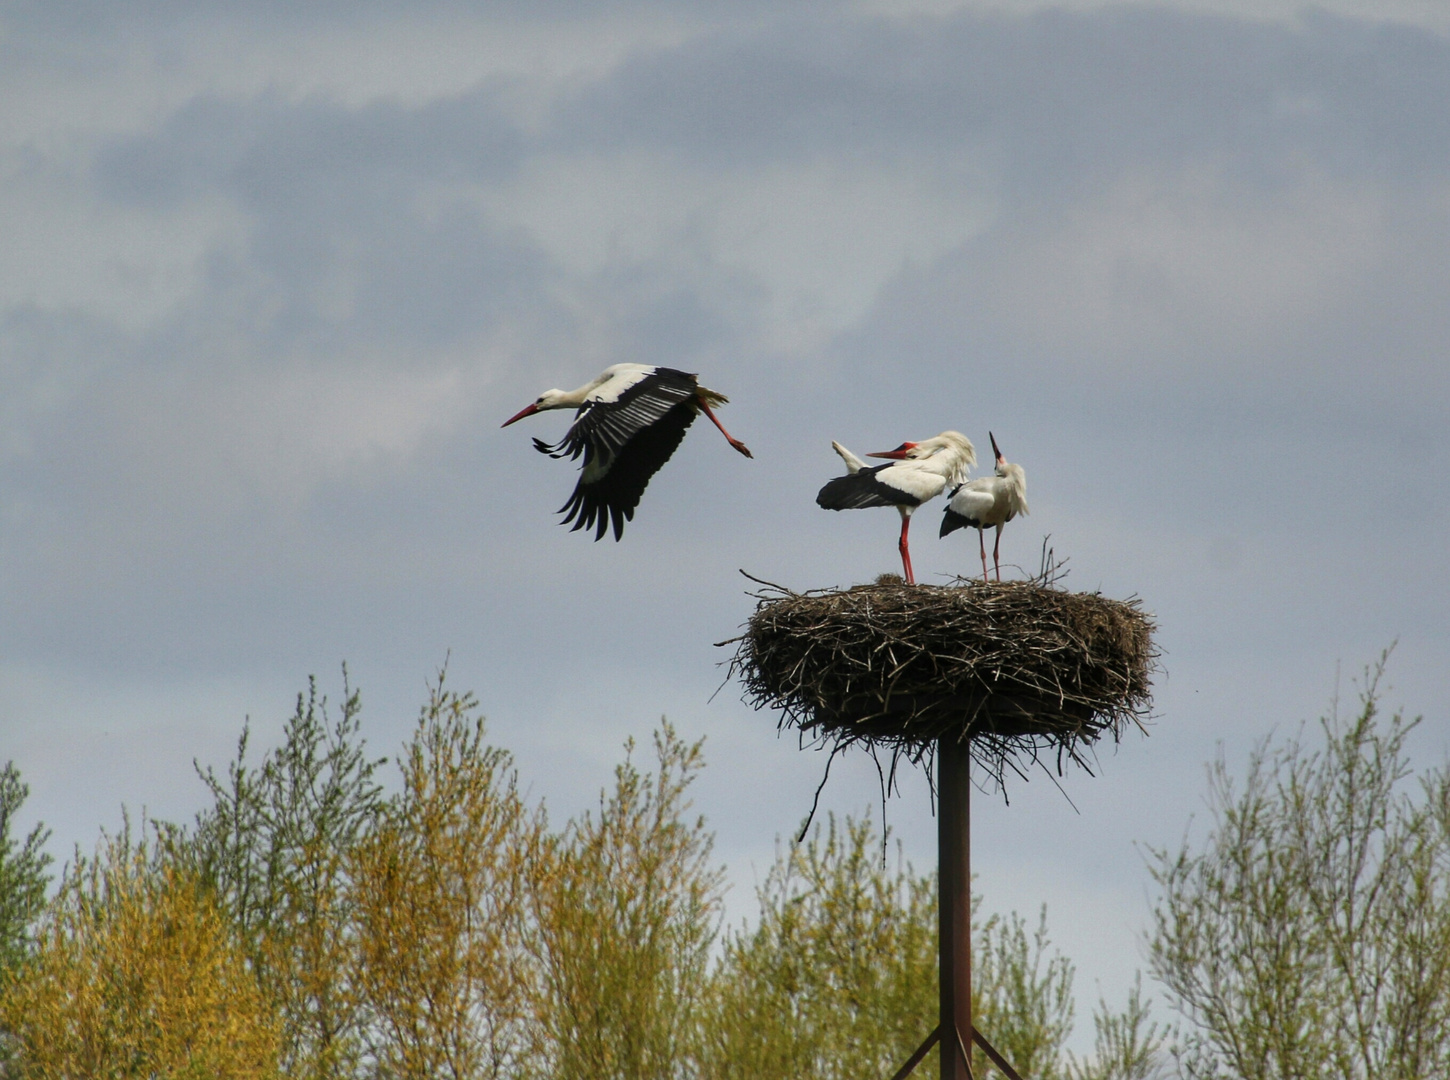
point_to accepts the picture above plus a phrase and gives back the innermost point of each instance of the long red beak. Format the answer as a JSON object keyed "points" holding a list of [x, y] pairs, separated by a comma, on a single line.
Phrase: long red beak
{"points": [[527, 410], [899, 453], [1000, 459]]}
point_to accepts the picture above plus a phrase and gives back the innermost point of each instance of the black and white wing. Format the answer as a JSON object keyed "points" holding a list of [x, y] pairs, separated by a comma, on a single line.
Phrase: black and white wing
{"points": [[970, 505], [863, 488], [625, 434]]}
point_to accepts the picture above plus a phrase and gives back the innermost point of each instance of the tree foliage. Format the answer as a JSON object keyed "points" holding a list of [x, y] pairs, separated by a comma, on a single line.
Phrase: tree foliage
{"points": [[439, 898], [1130, 1045], [624, 907], [838, 978], [310, 923], [136, 971], [23, 881], [275, 848], [23, 876], [1310, 934]]}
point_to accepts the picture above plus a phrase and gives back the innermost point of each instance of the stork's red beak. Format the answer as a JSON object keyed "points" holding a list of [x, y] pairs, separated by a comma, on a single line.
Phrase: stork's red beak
{"points": [[1000, 459], [527, 410], [899, 453]]}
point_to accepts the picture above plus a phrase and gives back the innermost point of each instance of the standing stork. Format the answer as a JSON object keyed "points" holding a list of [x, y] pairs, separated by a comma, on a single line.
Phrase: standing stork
{"points": [[990, 500], [629, 421], [918, 472]]}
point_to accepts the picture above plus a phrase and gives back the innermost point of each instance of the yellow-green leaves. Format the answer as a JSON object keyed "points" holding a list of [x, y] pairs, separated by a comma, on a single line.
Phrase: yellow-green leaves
{"points": [[624, 905], [439, 902], [1309, 935], [138, 973], [314, 924], [839, 977]]}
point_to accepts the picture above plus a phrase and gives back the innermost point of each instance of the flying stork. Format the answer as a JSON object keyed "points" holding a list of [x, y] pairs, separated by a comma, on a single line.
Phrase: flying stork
{"points": [[990, 500], [919, 471], [629, 421]]}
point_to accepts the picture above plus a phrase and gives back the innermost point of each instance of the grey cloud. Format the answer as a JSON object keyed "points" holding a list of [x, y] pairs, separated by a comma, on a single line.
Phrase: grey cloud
{"points": [[95, 22], [137, 541], [332, 192], [1052, 98], [272, 151]]}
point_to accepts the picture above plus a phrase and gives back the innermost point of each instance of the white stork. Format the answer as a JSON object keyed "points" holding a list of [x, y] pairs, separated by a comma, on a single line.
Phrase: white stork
{"points": [[990, 500], [629, 421], [919, 471]]}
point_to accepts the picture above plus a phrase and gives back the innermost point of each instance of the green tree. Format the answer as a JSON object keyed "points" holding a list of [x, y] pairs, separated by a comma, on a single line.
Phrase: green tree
{"points": [[136, 972], [624, 906], [275, 848], [1021, 995], [308, 925], [1309, 934], [839, 976], [23, 877], [1130, 1045], [439, 901], [23, 881]]}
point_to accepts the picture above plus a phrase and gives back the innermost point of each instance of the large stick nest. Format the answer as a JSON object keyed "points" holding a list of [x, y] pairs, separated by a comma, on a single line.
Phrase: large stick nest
{"points": [[1016, 667]]}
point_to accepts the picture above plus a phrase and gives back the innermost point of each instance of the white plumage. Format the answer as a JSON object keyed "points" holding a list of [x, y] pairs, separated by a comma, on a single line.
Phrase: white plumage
{"points": [[990, 501], [629, 421], [918, 472]]}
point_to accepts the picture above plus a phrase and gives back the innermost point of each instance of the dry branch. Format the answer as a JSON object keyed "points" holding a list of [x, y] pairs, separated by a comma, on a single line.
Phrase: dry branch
{"points": [[1016, 667]]}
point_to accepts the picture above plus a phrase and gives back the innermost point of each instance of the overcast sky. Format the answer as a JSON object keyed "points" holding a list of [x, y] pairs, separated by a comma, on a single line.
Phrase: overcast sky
{"points": [[272, 275]]}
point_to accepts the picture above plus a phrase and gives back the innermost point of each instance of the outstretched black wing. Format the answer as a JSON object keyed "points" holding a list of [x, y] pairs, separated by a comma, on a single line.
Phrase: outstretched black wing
{"points": [[624, 438], [603, 427], [610, 495], [861, 489]]}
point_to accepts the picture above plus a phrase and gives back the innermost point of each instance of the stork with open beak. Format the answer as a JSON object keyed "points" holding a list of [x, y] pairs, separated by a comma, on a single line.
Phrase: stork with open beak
{"points": [[988, 501], [629, 421], [918, 472]]}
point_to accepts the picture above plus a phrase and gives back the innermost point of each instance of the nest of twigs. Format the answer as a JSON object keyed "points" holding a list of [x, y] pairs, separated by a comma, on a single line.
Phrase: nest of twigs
{"points": [[1016, 667]]}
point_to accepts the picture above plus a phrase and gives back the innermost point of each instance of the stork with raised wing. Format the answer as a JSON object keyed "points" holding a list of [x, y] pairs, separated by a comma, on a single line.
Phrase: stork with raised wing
{"points": [[918, 472], [986, 502], [629, 421]]}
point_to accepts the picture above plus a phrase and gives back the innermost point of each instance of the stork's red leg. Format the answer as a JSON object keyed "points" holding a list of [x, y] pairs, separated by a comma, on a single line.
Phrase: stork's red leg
{"points": [[995, 562], [906, 551], [982, 543], [705, 407]]}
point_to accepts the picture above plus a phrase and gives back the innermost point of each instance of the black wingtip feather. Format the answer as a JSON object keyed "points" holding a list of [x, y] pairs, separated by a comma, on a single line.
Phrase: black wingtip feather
{"points": [[609, 499], [861, 490]]}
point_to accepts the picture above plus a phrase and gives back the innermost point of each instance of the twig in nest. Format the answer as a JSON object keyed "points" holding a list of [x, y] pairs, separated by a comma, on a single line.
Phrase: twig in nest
{"points": [[1016, 667], [819, 788]]}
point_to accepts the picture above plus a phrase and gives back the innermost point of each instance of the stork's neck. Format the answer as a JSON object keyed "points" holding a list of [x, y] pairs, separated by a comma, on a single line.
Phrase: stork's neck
{"points": [[568, 399], [947, 464], [1012, 481]]}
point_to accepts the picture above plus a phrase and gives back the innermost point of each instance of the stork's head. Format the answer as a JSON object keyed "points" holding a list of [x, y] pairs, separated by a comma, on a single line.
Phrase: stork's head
{"points": [[1015, 477], [549, 399], [901, 453], [951, 454], [952, 443]]}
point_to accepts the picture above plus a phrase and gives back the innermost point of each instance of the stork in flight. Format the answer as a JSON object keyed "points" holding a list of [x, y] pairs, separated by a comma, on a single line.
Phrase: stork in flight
{"points": [[990, 500], [629, 421], [919, 471]]}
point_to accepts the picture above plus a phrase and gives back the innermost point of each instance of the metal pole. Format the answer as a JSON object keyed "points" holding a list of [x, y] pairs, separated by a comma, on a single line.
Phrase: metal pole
{"points": [[954, 904]]}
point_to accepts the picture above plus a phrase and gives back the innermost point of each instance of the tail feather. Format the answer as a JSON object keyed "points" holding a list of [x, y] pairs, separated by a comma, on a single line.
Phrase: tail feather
{"points": [[853, 463], [952, 521], [710, 397]]}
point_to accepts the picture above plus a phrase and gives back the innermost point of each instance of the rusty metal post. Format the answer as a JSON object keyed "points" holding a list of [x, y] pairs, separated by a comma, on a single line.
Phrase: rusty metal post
{"points": [[954, 904]]}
